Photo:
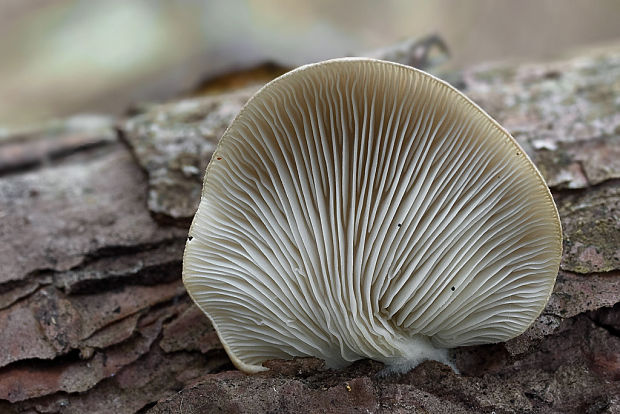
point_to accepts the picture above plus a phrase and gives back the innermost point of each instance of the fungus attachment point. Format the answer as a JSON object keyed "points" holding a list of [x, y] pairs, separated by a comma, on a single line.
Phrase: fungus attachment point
{"points": [[294, 251]]}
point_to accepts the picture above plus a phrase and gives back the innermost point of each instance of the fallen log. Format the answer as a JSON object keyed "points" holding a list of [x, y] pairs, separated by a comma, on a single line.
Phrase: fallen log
{"points": [[93, 219]]}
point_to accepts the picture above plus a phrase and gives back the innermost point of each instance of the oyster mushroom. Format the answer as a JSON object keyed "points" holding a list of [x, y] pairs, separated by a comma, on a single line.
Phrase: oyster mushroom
{"points": [[357, 208]]}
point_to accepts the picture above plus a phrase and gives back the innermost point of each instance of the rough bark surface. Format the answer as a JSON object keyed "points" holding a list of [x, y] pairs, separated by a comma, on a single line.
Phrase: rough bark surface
{"points": [[94, 317]]}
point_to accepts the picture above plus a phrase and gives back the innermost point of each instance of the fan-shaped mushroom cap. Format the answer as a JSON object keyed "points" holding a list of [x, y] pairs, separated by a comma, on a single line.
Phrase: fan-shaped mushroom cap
{"points": [[362, 209]]}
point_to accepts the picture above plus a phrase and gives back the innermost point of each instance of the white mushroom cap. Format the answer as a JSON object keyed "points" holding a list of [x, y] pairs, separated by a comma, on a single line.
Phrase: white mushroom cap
{"points": [[357, 208]]}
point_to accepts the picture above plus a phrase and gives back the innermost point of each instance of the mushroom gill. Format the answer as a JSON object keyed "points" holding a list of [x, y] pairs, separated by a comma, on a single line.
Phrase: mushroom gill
{"points": [[357, 208]]}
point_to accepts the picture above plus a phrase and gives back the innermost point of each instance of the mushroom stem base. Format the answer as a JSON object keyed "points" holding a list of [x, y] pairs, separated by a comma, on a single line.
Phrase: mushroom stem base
{"points": [[416, 350]]}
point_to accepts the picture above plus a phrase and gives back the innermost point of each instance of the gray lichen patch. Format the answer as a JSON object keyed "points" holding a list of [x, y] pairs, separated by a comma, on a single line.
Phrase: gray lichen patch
{"points": [[565, 114], [173, 143]]}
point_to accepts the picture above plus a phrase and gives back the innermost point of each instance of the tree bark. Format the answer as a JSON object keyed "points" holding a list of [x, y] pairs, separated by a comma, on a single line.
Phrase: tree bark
{"points": [[93, 219]]}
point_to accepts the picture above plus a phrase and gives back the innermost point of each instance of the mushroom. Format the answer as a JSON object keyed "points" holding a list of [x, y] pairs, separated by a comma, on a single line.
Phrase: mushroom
{"points": [[357, 208]]}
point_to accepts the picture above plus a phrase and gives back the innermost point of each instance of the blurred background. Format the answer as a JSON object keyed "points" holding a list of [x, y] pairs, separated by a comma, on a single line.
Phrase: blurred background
{"points": [[60, 57]]}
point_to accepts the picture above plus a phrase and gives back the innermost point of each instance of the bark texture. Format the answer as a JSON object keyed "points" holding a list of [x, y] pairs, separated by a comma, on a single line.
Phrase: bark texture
{"points": [[93, 220]]}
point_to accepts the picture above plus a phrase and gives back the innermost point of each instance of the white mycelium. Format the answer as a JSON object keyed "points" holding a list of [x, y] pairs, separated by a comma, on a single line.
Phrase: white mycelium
{"points": [[361, 209]]}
